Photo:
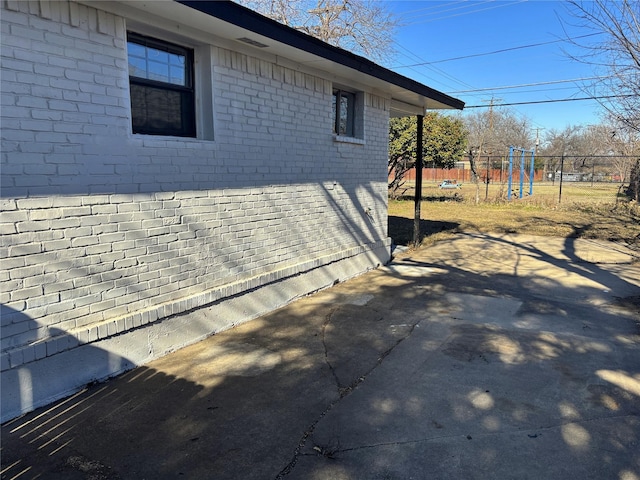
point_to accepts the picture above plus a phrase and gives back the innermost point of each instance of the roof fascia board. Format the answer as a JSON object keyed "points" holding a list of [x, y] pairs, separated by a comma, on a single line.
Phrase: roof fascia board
{"points": [[306, 53], [148, 23], [248, 19]]}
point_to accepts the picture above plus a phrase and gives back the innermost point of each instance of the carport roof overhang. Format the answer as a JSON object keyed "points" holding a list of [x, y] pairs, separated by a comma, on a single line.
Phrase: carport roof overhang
{"points": [[237, 23]]}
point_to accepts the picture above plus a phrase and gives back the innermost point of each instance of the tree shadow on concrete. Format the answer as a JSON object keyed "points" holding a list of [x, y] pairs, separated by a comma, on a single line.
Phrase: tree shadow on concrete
{"points": [[571, 395], [426, 368], [232, 406], [401, 229]]}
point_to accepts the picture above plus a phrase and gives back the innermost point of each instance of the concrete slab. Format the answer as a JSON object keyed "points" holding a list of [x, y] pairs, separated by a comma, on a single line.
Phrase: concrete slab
{"points": [[480, 357]]}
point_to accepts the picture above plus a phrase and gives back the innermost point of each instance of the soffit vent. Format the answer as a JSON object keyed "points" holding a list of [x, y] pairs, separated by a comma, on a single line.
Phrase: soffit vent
{"points": [[250, 41]]}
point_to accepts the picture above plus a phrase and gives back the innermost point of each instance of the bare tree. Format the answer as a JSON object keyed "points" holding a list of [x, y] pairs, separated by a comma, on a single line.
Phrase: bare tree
{"points": [[633, 191], [615, 54], [625, 149], [573, 145], [283, 11], [497, 129], [364, 27], [606, 150]]}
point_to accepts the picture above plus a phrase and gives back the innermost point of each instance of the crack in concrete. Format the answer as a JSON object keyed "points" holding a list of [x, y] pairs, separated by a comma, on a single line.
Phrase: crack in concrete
{"points": [[348, 390], [327, 320], [588, 420], [297, 452], [343, 392], [479, 435]]}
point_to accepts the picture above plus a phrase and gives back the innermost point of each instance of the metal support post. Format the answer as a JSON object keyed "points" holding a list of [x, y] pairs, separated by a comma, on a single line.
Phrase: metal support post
{"points": [[418, 192], [532, 172], [510, 181], [521, 174]]}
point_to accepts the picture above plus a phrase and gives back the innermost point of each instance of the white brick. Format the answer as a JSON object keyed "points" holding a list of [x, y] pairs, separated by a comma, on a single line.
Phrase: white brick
{"points": [[14, 216], [42, 300], [32, 226], [33, 203], [32, 292], [46, 214], [24, 249], [111, 250]]}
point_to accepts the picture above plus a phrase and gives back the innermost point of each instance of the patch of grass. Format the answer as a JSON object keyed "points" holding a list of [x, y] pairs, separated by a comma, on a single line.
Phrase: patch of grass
{"points": [[618, 222]]}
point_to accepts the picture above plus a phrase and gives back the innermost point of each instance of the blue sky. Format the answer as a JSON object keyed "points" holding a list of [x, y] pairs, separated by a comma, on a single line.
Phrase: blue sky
{"points": [[435, 33]]}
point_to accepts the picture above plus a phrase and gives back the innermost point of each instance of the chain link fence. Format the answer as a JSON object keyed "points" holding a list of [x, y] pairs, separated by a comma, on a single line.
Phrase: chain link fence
{"points": [[552, 178]]}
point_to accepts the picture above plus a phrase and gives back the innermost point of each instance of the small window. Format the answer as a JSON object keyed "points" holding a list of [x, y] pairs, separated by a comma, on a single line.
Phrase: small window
{"points": [[161, 84], [343, 113]]}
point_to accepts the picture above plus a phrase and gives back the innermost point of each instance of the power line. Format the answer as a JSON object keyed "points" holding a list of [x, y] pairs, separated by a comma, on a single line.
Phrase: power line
{"points": [[462, 6], [536, 102], [500, 5], [438, 8], [502, 50], [434, 70], [552, 82], [531, 90], [437, 70], [432, 7]]}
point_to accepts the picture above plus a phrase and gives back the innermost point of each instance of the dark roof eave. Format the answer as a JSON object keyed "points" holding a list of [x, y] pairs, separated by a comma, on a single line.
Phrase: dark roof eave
{"points": [[248, 19]]}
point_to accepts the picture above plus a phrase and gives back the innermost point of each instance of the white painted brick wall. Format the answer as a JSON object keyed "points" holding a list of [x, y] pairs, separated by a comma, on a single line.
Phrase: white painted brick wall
{"points": [[103, 231]]}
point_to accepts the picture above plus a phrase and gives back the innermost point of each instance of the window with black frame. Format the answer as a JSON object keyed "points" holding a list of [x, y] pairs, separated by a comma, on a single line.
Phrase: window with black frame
{"points": [[343, 113], [161, 87]]}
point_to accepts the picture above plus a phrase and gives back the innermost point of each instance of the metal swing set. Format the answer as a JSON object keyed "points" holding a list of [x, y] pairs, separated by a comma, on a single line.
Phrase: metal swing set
{"points": [[522, 161]]}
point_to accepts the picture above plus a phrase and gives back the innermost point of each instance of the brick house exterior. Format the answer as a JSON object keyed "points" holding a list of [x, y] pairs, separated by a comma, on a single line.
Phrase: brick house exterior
{"points": [[119, 247]]}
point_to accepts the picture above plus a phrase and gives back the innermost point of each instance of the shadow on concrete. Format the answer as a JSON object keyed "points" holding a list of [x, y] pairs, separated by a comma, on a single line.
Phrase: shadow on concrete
{"points": [[27, 382], [428, 368], [401, 229]]}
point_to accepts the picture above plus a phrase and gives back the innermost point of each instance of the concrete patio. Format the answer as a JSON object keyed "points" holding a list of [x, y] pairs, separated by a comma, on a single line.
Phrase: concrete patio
{"points": [[480, 357]]}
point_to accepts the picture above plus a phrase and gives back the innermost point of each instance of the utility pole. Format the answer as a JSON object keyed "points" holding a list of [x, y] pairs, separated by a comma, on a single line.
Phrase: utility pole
{"points": [[491, 115], [486, 190], [535, 154], [489, 150], [486, 178]]}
